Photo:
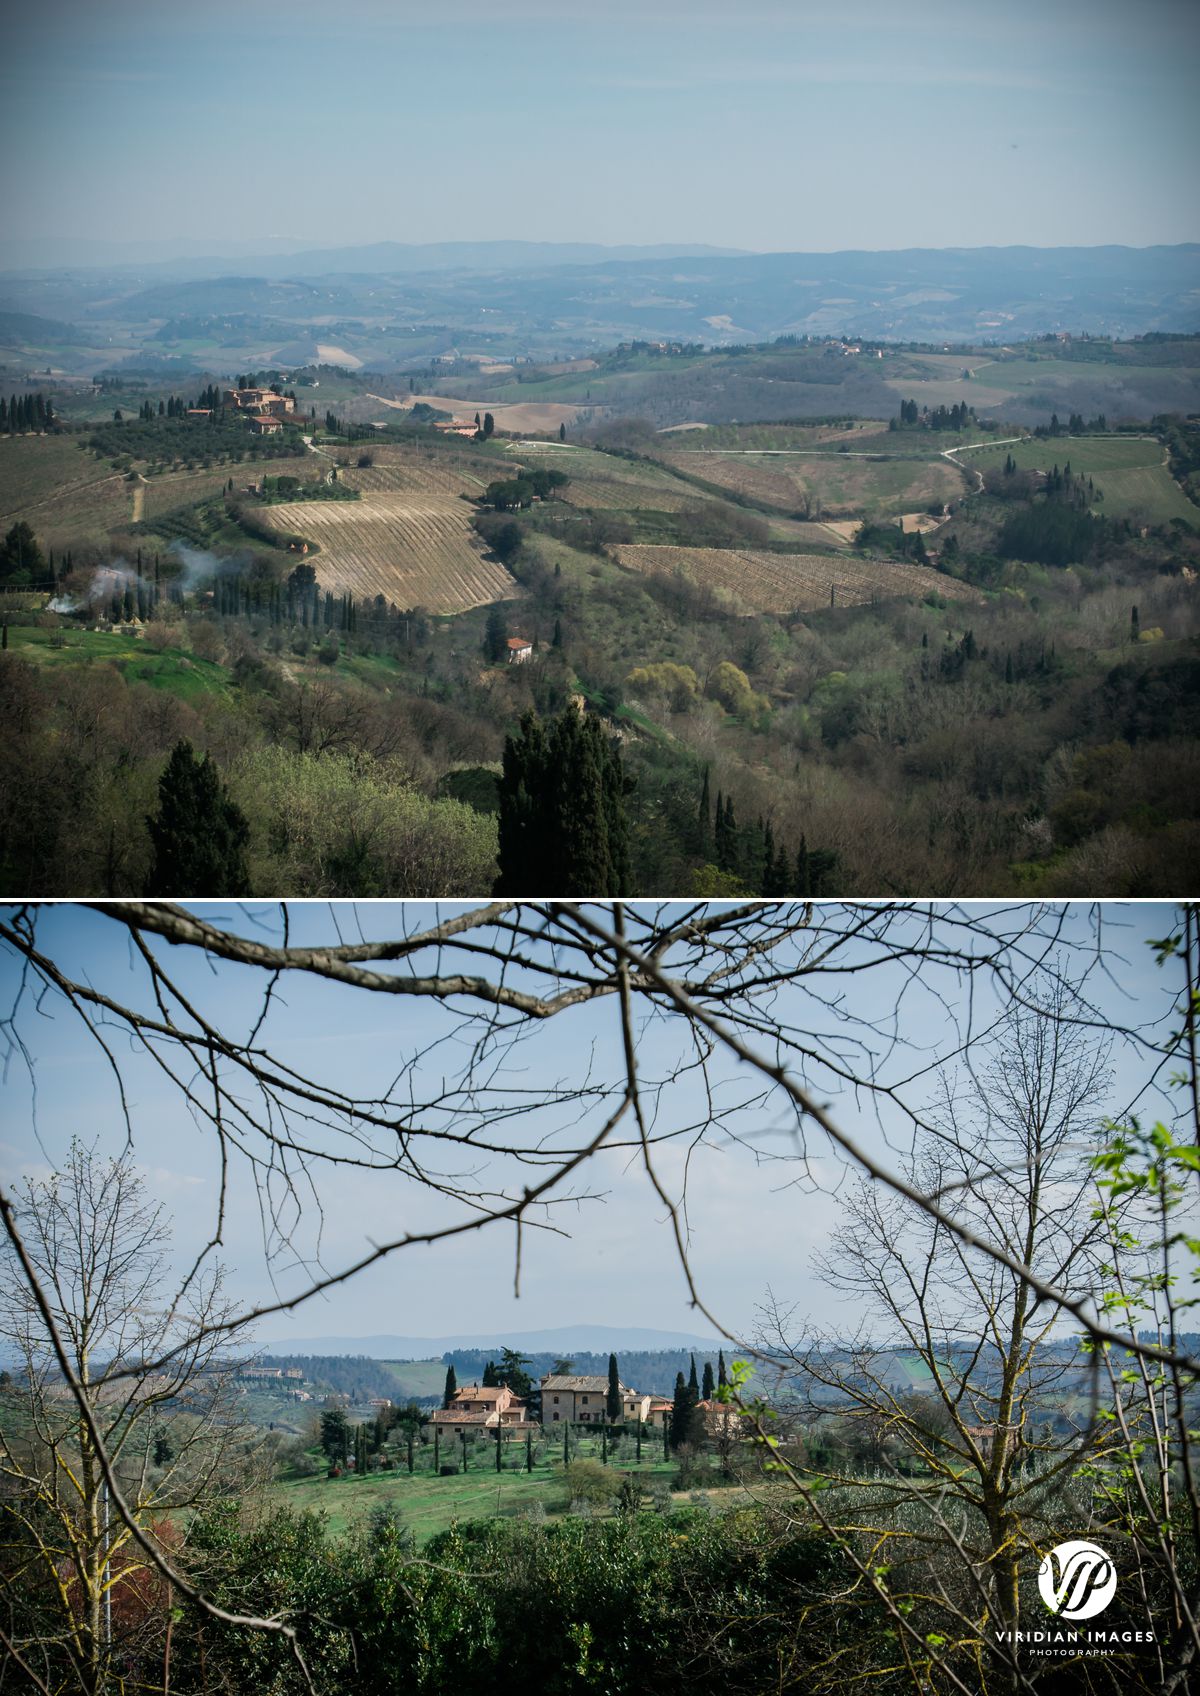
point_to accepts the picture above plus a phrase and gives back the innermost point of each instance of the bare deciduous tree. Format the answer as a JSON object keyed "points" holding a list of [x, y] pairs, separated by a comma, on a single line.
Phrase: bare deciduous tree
{"points": [[98, 1249], [1008, 1156]]}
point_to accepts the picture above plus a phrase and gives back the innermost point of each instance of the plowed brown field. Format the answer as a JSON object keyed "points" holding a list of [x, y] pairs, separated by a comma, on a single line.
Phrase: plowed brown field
{"points": [[413, 547], [766, 582]]}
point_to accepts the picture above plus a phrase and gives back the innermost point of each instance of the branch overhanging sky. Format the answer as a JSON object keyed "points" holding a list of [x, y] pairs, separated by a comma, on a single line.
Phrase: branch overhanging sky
{"points": [[754, 1226]]}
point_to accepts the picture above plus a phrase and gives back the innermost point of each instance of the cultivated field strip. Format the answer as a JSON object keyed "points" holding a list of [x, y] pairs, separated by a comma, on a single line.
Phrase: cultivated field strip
{"points": [[841, 485], [781, 583], [621, 494], [416, 550], [420, 477]]}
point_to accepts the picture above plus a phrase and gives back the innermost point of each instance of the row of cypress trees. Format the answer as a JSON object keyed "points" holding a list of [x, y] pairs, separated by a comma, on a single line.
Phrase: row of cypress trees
{"points": [[25, 412]]}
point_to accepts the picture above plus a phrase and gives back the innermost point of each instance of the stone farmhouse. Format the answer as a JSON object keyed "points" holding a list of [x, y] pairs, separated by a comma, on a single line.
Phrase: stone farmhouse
{"points": [[721, 1420], [583, 1401], [260, 402], [481, 1408], [520, 649]]}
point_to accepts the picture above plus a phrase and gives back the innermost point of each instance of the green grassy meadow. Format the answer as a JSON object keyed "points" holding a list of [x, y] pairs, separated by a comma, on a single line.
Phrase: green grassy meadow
{"points": [[429, 1504], [179, 673], [1131, 472]]}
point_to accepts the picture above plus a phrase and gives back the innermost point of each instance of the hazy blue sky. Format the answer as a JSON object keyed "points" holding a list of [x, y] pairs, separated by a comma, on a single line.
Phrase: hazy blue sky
{"points": [[752, 1230], [768, 125]]}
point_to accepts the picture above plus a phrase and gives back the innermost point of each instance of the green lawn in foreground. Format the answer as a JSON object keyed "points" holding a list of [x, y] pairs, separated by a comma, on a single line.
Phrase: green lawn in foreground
{"points": [[429, 1504]]}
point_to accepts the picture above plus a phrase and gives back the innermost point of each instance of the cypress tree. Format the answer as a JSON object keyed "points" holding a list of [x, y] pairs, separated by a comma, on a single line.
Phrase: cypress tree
{"points": [[199, 834], [683, 1410], [707, 1391], [612, 1401], [705, 811], [693, 1381], [451, 1389], [803, 877], [727, 839], [490, 1380], [768, 859], [722, 1380], [562, 828], [495, 635]]}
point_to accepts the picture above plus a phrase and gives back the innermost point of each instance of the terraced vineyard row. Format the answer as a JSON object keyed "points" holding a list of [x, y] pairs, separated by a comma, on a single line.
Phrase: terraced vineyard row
{"points": [[782, 583], [413, 549]]}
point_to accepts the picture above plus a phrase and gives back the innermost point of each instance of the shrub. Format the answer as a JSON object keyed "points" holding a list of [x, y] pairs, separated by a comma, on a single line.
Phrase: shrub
{"points": [[587, 1481]]}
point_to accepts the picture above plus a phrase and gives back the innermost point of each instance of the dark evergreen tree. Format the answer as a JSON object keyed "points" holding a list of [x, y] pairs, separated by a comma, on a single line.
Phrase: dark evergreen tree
{"points": [[726, 836], [683, 1410], [21, 555], [562, 827], [198, 834], [451, 1389], [335, 1434], [511, 1371], [612, 1401], [706, 1391], [495, 635], [704, 815], [722, 1380], [489, 424], [490, 1381], [693, 1381]]}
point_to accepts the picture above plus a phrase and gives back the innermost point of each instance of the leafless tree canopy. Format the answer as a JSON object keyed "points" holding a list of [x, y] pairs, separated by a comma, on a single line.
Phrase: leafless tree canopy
{"points": [[771, 1010]]}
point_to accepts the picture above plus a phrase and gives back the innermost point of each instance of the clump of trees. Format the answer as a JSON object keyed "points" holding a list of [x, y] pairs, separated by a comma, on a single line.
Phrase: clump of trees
{"points": [[22, 563], [514, 493]]}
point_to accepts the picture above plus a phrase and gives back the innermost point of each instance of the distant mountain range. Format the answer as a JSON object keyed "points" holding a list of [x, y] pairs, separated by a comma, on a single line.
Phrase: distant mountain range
{"points": [[395, 307], [565, 1339], [292, 259]]}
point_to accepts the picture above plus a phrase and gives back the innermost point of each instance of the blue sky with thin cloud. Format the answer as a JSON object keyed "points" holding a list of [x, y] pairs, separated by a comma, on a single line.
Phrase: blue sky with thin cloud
{"points": [[768, 126]]}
